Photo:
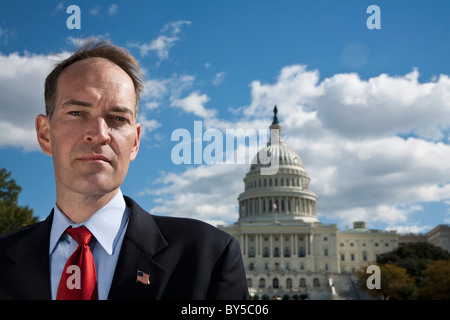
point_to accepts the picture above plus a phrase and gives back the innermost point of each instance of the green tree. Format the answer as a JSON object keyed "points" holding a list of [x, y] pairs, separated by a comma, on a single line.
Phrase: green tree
{"points": [[395, 283], [414, 258], [12, 216], [436, 281]]}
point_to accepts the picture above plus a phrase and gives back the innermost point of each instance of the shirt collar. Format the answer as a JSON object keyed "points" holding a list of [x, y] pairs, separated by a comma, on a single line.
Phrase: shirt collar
{"points": [[104, 225]]}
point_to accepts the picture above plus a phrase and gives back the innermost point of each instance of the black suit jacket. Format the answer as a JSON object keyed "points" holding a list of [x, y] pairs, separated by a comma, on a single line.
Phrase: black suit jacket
{"points": [[185, 258]]}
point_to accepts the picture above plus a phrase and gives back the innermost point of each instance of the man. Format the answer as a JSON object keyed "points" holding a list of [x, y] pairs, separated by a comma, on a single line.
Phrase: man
{"points": [[97, 243]]}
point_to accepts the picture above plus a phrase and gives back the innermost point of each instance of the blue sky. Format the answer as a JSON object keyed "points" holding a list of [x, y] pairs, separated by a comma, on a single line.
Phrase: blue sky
{"points": [[367, 110]]}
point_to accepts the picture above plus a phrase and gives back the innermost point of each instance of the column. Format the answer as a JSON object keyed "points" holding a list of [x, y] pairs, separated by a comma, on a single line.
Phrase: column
{"points": [[308, 244], [296, 243], [258, 245], [271, 246], [261, 237], [293, 252], [281, 245], [245, 245]]}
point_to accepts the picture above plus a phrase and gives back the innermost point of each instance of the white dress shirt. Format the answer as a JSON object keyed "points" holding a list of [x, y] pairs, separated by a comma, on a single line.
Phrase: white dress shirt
{"points": [[107, 225]]}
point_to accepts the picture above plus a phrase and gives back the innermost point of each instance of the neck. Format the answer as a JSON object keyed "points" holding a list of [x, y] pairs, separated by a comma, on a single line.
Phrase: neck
{"points": [[78, 207]]}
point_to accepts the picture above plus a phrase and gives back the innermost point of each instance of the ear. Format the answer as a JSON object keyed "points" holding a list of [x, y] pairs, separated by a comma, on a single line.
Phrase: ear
{"points": [[43, 133], [135, 149]]}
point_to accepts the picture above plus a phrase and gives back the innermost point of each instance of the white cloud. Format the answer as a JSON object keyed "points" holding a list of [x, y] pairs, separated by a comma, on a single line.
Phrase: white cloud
{"points": [[195, 103], [95, 11], [199, 193], [166, 40], [147, 125], [346, 130], [59, 7], [21, 97], [405, 229], [112, 10], [219, 78]]}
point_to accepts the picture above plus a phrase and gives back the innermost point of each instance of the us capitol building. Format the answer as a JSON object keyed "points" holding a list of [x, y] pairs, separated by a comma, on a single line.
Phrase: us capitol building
{"points": [[287, 251]]}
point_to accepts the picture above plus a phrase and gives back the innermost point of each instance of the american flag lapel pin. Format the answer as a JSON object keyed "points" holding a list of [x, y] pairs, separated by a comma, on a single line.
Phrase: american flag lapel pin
{"points": [[143, 277]]}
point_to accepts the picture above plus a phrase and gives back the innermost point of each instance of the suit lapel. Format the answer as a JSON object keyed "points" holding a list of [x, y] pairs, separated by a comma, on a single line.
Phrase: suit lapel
{"points": [[142, 241], [30, 274]]}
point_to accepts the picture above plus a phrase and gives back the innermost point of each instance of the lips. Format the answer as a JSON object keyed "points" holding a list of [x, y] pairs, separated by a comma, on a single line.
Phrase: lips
{"points": [[94, 158]]}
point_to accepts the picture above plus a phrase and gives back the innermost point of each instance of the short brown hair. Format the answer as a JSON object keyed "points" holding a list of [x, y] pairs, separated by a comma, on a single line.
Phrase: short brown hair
{"points": [[93, 48]]}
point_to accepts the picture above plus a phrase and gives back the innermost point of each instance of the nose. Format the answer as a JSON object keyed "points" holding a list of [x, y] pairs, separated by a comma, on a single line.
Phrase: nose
{"points": [[97, 131]]}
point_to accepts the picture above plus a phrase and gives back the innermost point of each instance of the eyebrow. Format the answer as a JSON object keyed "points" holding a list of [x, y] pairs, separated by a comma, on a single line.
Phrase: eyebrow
{"points": [[74, 102]]}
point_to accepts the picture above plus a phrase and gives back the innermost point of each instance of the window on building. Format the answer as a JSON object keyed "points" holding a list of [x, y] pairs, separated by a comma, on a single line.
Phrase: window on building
{"points": [[302, 283], [276, 252], [266, 252], [301, 252], [289, 283], [325, 252], [262, 283], [249, 282], [342, 257], [251, 252], [364, 256], [352, 256], [316, 282], [275, 283], [277, 266]]}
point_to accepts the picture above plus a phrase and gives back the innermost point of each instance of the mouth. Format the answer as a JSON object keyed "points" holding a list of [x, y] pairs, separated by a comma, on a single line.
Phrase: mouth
{"points": [[94, 158]]}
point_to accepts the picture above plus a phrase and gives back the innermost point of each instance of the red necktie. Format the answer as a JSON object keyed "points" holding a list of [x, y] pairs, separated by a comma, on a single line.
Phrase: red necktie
{"points": [[79, 279]]}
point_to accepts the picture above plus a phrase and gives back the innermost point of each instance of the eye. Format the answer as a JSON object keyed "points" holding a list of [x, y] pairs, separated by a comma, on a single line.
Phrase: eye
{"points": [[74, 113], [122, 119]]}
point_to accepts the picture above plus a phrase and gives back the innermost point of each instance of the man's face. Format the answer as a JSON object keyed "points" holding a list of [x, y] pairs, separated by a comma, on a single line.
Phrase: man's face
{"points": [[92, 135]]}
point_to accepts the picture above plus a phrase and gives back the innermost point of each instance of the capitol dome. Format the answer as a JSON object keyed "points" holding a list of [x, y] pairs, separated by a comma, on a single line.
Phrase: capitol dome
{"points": [[286, 156], [283, 196]]}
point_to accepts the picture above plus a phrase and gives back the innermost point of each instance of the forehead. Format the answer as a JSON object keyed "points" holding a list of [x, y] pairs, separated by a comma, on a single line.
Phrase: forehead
{"points": [[96, 74]]}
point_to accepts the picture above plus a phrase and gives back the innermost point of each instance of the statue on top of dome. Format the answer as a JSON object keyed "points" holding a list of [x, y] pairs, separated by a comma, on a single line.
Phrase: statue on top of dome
{"points": [[275, 118]]}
